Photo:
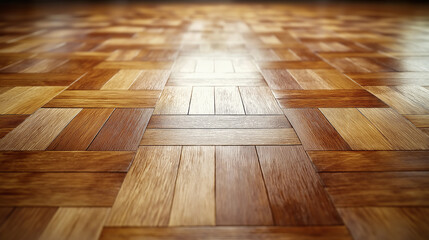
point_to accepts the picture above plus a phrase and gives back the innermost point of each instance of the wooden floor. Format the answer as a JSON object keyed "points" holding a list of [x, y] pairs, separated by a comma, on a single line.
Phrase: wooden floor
{"points": [[214, 122]]}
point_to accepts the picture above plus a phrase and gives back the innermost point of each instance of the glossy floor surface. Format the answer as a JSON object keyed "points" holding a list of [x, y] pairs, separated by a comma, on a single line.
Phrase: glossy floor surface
{"points": [[214, 122]]}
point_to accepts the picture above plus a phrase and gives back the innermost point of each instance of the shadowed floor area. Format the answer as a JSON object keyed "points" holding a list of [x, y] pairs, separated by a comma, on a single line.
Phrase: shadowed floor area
{"points": [[214, 121]]}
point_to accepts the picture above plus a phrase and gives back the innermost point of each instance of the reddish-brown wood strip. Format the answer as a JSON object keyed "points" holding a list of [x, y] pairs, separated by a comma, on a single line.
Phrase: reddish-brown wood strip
{"points": [[93, 80], [314, 130], [296, 193], [123, 131]]}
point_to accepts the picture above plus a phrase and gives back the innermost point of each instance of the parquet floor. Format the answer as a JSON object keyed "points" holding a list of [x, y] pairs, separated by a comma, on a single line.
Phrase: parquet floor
{"points": [[214, 122]]}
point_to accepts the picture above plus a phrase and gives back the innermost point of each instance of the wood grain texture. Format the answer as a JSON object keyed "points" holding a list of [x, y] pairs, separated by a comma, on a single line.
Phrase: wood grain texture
{"points": [[402, 135], [134, 65], [283, 136], [420, 121], [65, 161], [241, 197], [59, 189], [295, 191], [151, 80], [279, 79], [26, 100], [75, 223], [174, 100], [377, 188], [80, 132], [357, 130], [194, 196], [259, 100], [9, 122], [202, 101], [235, 233], [228, 101], [37, 79], [314, 130], [386, 222], [359, 161], [93, 80], [122, 80], [105, 99], [153, 171], [38, 130], [26, 223], [123, 130], [242, 121]]}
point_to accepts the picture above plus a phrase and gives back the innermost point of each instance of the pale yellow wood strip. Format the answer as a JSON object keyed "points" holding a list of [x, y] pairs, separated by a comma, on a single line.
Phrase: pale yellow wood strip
{"points": [[202, 101], [228, 101], [307, 79], [401, 133], [421, 121], [122, 80], [358, 131], [259, 100], [284, 136], [26, 100], [38, 130], [194, 197], [146, 194], [174, 100], [76, 224]]}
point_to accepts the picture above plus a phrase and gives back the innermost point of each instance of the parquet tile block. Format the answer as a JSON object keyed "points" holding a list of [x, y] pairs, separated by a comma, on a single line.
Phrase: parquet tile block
{"points": [[239, 187], [259, 100], [174, 100], [65, 161], [123, 130], [286, 170], [38, 130], [59, 189], [154, 171], [202, 100], [368, 161]]}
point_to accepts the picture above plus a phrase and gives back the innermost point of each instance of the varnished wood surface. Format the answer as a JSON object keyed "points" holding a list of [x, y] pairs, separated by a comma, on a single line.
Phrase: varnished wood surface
{"points": [[214, 121]]}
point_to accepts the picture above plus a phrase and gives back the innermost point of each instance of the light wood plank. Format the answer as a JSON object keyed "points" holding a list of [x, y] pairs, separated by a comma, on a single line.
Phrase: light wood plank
{"points": [[283, 136], [228, 101], [194, 196], [153, 171], [174, 100], [122, 80], [259, 100], [202, 101]]}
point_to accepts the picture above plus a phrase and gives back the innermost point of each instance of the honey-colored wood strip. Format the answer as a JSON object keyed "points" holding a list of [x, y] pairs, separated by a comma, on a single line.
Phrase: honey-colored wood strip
{"points": [[174, 100], [295, 191], [308, 79], [9, 122], [280, 79], [134, 65], [153, 171], [38, 130], [401, 134], [357, 130], [26, 100], [420, 121], [336, 79], [75, 223], [397, 101], [59, 189], [259, 100], [93, 80], [294, 65], [105, 99], [241, 197], [239, 232], [123, 130], [151, 80], [65, 161], [377, 188], [194, 196], [202, 101], [367, 161], [223, 121], [44, 65], [314, 130], [26, 223], [37, 79], [386, 223], [228, 101], [283, 136], [81, 131], [122, 80]]}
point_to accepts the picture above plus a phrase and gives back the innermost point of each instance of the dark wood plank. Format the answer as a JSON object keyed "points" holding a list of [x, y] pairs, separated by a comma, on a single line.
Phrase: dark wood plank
{"points": [[295, 191], [80, 132], [241, 197], [123, 131], [37, 79], [230, 233], [314, 130], [59, 189], [65, 161]]}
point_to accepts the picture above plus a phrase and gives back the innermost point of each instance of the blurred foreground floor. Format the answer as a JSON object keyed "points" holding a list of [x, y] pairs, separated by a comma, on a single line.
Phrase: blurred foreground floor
{"points": [[214, 122]]}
